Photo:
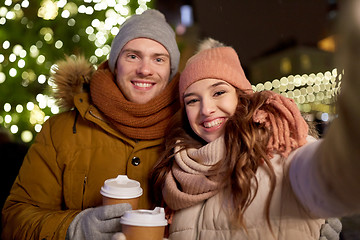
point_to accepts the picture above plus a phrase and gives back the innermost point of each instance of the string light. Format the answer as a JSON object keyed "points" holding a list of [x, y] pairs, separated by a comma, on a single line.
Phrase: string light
{"points": [[313, 92]]}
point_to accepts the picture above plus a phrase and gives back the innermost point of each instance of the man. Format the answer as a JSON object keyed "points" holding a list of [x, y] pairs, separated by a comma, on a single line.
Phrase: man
{"points": [[114, 124]]}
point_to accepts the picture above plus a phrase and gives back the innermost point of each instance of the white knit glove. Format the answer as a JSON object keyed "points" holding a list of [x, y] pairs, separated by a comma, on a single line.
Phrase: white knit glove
{"points": [[99, 223], [331, 229]]}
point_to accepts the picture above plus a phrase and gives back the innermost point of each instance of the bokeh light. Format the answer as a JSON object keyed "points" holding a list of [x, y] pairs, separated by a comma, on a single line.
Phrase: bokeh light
{"points": [[36, 35]]}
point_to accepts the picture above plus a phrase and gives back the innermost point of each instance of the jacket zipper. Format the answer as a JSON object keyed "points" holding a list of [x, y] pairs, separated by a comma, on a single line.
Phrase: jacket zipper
{"points": [[83, 194], [95, 116]]}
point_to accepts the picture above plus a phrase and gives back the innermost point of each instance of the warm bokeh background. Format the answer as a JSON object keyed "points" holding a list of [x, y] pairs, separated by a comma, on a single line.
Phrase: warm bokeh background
{"points": [[286, 46]]}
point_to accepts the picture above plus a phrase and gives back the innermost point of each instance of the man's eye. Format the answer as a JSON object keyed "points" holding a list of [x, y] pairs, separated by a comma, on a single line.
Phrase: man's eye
{"points": [[159, 60], [131, 56]]}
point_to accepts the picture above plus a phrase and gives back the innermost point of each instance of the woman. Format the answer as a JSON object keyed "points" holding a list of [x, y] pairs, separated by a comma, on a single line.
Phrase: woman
{"points": [[241, 165]]}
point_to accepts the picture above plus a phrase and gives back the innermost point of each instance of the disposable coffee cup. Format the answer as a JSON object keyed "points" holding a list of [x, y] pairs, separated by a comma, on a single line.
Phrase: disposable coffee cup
{"points": [[121, 190], [144, 224]]}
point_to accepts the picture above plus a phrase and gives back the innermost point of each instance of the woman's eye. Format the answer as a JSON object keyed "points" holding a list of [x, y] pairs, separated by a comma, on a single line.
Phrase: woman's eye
{"points": [[218, 93], [191, 101]]}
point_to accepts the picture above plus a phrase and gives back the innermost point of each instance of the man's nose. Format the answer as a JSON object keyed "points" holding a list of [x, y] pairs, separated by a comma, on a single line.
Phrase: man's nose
{"points": [[145, 68]]}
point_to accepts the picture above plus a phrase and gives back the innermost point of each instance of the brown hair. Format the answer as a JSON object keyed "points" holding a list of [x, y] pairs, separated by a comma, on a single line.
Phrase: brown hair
{"points": [[246, 149]]}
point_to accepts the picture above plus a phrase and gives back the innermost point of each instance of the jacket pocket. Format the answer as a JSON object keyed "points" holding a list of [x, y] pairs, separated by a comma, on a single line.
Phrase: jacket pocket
{"points": [[74, 190]]}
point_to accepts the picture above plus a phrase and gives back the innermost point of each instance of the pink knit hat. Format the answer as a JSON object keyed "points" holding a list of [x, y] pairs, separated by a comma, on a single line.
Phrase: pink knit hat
{"points": [[218, 63]]}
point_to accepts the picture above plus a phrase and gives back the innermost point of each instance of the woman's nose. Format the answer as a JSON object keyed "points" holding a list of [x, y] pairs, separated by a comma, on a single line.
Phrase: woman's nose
{"points": [[208, 107]]}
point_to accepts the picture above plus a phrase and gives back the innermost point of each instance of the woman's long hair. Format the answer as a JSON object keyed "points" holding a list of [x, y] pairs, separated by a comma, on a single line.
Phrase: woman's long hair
{"points": [[246, 150]]}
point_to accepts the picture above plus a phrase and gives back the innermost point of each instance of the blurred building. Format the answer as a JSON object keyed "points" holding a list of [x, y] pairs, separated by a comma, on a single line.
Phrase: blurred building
{"points": [[284, 46], [269, 34]]}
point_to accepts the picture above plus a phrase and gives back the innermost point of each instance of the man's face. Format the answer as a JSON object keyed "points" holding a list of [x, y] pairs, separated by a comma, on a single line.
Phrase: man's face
{"points": [[142, 70]]}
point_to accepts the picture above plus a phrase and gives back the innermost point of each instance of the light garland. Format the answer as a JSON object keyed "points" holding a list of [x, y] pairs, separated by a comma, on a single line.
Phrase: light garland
{"points": [[311, 92]]}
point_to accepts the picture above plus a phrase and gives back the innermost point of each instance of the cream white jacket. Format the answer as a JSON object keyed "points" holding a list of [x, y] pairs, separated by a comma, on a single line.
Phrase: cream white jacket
{"points": [[289, 219]]}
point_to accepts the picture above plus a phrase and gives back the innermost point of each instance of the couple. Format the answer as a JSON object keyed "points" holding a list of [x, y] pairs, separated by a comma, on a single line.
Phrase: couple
{"points": [[254, 141]]}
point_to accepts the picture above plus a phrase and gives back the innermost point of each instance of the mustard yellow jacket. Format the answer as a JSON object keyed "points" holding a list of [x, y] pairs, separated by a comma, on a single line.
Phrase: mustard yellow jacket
{"points": [[75, 152]]}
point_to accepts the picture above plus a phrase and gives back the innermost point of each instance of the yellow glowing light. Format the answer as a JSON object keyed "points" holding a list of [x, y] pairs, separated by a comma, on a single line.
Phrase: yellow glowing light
{"points": [[42, 79], [48, 37], [285, 65], [12, 57], [55, 109], [19, 108], [8, 118], [2, 77], [3, 11], [71, 8], [7, 107], [6, 44], [59, 44], [36, 115], [327, 44], [276, 83], [30, 106], [61, 3], [82, 9], [14, 129], [37, 127], [2, 21], [21, 63], [40, 59], [34, 51], [10, 15], [48, 10], [26, 136], [71, 22], [65, 14], [25, 4], [12, 72]]}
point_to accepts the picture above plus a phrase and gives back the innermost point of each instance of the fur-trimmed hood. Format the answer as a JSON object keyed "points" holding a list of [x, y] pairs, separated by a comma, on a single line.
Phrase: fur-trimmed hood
{"points": [[70, 77]]}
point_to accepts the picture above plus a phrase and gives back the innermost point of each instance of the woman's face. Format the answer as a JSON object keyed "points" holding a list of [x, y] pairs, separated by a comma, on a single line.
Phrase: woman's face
{"points": [[209, 103]]}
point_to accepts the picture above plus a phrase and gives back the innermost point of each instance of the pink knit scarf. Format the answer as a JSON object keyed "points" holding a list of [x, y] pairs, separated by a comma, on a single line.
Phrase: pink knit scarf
{"points": [[191, 170]]}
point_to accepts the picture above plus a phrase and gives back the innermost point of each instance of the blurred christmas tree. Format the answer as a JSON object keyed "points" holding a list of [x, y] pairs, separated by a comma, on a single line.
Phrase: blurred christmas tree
{"points": [[34, 35]]}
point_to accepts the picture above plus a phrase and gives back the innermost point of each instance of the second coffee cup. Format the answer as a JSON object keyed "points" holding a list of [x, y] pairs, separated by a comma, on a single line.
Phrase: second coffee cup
{"points": [[144, 224], [121, 190]]}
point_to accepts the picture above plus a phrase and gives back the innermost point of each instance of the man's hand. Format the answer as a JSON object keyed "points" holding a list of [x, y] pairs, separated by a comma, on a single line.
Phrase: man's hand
{"points": [[99, 223]]}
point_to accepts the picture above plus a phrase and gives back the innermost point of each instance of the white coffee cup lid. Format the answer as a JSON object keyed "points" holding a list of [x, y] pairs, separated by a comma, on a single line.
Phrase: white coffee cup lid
{"points": [[121, 187], [147, 218]]}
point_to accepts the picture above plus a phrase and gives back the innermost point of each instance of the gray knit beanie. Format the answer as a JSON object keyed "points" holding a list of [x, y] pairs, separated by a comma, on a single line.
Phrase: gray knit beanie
{"points": [[150, 24]]}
